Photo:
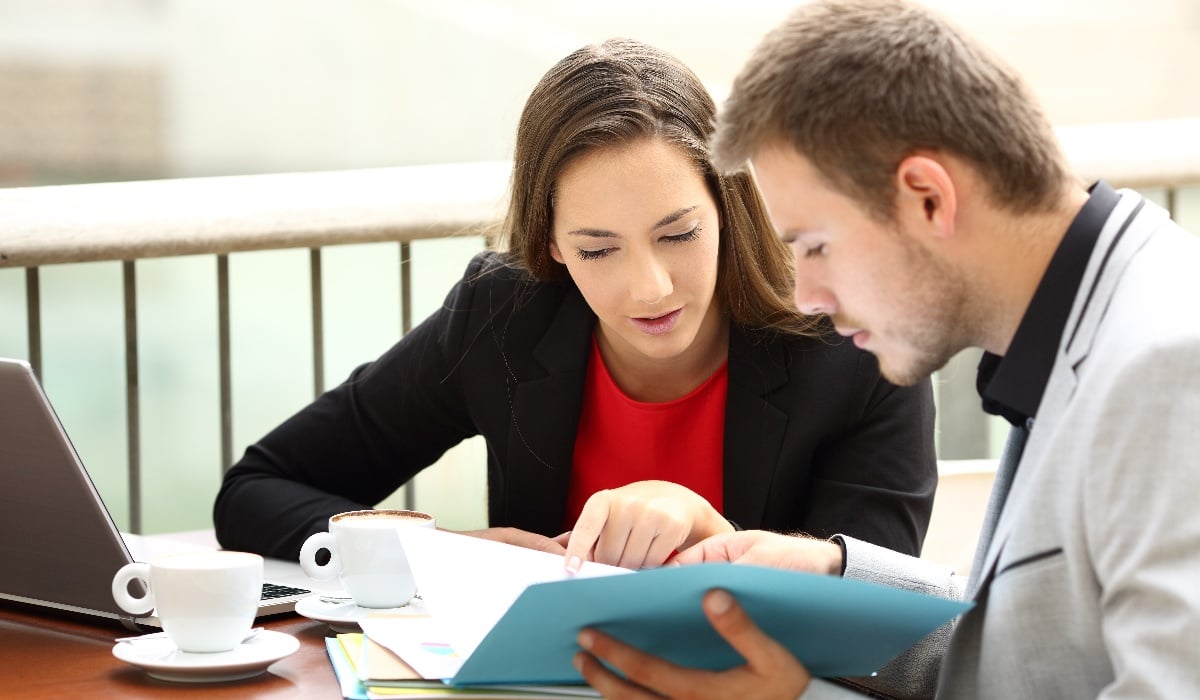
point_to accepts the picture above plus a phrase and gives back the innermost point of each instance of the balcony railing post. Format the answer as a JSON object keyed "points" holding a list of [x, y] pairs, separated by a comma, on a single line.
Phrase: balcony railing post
{"points": [[318, 325], [224, 362], [410, 492], [33, 318], [132, 412]]}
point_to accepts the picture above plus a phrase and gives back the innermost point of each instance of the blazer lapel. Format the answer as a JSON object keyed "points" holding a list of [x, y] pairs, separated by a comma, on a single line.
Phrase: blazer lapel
{"points": [[545, 418], [754, 428], [1132, 223], [1006, 470], [1126, 231]]}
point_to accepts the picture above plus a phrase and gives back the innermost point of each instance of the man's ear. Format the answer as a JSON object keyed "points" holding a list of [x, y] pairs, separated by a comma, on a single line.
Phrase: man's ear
{"points": [[556, 253], [925, 192]]}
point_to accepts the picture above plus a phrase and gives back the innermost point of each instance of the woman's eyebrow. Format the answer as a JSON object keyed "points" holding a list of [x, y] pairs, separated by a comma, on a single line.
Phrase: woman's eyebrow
{"points": [[674, 216], [592, 233], [602, 233]]}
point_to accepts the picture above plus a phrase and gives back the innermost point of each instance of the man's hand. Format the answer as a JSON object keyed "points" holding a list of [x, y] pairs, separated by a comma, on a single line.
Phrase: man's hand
{"points": [[770, 670], [795, 552], [640, 525]]}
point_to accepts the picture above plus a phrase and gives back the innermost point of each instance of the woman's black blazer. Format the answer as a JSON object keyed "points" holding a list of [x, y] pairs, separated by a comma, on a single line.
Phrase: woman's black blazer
{"points": [[815, 440]]}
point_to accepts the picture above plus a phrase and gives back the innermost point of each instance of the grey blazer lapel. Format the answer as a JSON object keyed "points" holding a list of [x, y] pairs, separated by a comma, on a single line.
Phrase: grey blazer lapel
{"points": [[545, 417], [1126, 231], [1006, 471], [754, 428]]}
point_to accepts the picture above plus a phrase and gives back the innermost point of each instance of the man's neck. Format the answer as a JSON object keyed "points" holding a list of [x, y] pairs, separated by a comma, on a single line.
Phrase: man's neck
{"points": [[1010, 261]]}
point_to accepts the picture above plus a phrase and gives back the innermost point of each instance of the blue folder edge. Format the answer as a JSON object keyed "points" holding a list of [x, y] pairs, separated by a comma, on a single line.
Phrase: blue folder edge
{"points": [[837, 627]]}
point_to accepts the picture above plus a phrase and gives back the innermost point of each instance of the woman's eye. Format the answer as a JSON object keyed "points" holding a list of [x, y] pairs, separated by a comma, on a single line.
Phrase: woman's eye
{"points": [[684, 237], [815, 251], [596, 254]]}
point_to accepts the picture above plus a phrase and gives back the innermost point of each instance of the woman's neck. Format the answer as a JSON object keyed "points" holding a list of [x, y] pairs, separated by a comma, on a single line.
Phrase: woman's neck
{"points": [[653, 379]]}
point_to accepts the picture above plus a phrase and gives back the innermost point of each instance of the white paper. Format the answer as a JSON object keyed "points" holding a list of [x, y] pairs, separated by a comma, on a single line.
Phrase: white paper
{"points": [[468, 583]]}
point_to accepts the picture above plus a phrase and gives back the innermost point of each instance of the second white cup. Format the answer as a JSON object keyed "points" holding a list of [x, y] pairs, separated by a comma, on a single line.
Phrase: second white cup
{"points": [[365, 549]]}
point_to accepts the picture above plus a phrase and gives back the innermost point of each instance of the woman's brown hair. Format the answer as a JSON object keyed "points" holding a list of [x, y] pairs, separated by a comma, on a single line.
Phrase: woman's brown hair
{"points": [[617, 92]]}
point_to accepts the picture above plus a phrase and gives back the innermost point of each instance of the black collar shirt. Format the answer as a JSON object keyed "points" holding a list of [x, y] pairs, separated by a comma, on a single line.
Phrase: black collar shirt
{"points": [[1012, 385]]}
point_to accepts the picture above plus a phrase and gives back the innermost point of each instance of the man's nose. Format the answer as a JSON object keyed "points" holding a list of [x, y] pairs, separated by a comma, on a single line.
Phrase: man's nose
{"points": [[812, 298]]}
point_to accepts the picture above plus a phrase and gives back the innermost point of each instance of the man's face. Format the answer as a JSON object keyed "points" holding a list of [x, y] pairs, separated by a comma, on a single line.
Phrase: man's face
{"points": [[881, 284]]}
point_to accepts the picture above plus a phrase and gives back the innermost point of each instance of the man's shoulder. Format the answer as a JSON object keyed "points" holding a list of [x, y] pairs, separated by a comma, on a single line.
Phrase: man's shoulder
{"points": [[1155, 303]]}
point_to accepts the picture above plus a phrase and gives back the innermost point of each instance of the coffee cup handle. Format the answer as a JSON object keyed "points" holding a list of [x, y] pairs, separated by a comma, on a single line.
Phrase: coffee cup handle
{"points": [[308, 557], [120, 588]]}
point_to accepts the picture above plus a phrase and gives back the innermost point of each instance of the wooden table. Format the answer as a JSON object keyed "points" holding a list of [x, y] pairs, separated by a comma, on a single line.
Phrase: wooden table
{"points": [[47, 655]]}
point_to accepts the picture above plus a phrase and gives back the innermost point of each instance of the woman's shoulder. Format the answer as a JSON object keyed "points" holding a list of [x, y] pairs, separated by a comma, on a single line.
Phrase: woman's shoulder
{"points": [[821, 339], [500, 275], [495, 267], [495, 282], [821, 351]]}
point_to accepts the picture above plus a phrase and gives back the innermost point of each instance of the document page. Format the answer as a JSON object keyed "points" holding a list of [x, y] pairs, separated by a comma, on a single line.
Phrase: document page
{"points": [[468, 584]]}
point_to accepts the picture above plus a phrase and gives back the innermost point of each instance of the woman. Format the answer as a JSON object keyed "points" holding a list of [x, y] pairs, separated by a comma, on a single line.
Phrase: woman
{"points": [[633, 360]]}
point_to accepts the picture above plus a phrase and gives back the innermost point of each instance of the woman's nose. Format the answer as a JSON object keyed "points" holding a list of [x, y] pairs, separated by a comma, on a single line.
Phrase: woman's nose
{"points": [[650, 282]]}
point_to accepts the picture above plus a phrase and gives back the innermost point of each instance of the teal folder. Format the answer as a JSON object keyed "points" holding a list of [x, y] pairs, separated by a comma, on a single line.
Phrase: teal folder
{"points": [[836, 627]]}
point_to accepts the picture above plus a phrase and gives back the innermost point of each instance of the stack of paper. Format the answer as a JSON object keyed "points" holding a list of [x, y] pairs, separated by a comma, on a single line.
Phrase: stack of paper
{"points": [[366, 671]]}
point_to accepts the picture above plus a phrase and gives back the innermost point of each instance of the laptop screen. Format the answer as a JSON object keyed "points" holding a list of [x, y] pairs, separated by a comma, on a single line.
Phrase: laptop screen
{"points": [[58, 544]]}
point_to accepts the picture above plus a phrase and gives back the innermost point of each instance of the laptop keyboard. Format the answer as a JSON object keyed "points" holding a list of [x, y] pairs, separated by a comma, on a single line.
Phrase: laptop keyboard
{"points": [[271, 591]]}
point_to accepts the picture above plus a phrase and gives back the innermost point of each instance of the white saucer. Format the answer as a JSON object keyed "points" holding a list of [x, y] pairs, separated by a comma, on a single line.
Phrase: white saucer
{"points": [[162, 659], [345, 616]]}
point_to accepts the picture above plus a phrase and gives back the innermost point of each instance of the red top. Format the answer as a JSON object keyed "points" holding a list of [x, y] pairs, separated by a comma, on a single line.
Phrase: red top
{"points": [[621, 440]]}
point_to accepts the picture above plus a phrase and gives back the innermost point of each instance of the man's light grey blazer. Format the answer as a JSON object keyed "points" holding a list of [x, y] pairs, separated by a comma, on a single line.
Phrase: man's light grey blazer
{"points": [[1088, 585]]}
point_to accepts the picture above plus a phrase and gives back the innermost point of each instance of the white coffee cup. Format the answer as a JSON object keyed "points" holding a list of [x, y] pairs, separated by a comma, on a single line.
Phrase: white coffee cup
{"points": [[205, 601], [365, 549]]}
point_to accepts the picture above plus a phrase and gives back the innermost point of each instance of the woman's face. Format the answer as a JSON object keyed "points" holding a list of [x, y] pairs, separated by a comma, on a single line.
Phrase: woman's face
{"points": [[638, 230]]}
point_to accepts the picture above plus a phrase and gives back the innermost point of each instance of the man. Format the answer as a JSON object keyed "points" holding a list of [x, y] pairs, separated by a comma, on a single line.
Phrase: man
{"points": [[931, 210]]}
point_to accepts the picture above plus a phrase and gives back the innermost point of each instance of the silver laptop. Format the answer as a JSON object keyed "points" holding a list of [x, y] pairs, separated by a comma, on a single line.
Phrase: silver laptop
{"points": [[59, 547]]}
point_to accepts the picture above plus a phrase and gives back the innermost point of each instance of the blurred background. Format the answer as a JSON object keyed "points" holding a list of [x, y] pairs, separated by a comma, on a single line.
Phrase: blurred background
{"points": [[112, 90]]}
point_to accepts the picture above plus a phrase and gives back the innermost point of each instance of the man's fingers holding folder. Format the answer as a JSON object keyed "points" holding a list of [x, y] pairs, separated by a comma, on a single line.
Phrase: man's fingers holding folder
{"points": [[770, 670], [773, 669]]}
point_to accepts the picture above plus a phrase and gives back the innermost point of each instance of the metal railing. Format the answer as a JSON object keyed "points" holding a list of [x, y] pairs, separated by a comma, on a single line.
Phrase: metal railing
{"points": [[218, 216], [130, 221]]}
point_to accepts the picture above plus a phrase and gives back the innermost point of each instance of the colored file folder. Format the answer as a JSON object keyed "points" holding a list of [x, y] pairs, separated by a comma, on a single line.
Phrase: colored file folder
{"points": [[837, 627]]}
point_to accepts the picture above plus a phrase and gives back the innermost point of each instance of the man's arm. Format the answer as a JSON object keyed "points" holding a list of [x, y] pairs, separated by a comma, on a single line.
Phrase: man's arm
{"points": [[914, 673], [1141, 526]]}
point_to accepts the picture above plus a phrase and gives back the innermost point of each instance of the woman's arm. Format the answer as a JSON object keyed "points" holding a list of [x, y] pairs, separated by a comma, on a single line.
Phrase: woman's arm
{"points": [[356, 443]]}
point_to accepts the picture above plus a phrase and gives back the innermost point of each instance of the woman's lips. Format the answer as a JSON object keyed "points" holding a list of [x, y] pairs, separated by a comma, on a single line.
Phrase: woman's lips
{"points": [[659, 324]]}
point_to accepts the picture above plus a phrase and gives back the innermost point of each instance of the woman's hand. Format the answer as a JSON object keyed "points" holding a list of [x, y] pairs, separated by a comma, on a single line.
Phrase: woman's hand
{"points": [[521, 538], [641, 525]]}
